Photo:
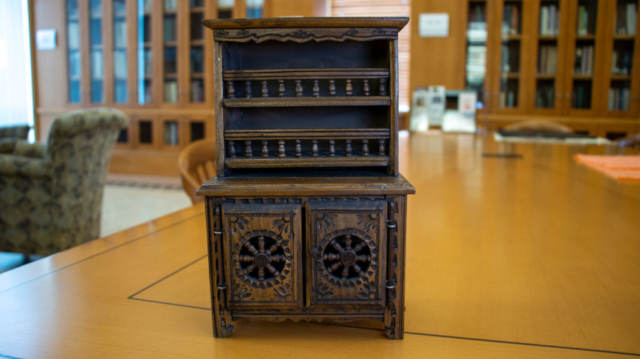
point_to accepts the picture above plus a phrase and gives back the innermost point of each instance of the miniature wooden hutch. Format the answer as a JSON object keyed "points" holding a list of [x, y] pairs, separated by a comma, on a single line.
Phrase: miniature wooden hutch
{"points": [[307, 214]]}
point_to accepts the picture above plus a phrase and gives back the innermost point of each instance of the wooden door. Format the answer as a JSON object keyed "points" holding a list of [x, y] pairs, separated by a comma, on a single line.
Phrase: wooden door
{"points": [[549, 38], [584, 61], [263, 248], [346, 242], [621, 78]]}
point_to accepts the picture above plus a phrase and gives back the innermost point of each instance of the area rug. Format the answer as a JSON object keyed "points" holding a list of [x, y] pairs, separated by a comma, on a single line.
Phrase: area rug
{"points": [[621, 168]]}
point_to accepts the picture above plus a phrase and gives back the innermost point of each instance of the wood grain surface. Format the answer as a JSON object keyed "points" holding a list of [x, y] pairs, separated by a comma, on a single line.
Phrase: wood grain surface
{"points": [[528, 256]]}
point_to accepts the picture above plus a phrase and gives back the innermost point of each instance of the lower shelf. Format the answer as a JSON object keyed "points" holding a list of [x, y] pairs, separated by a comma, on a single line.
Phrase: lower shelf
{"points": [[276, 162]]}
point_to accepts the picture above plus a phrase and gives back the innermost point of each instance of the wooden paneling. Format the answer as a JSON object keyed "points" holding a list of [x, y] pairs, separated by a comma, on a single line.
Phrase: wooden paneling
{"points": [[438, 61], [149, 162], [306, 8]]}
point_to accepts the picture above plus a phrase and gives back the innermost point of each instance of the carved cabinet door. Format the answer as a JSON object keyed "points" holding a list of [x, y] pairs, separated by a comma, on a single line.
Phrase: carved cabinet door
{"points": [[263, 248], [346, 244]]}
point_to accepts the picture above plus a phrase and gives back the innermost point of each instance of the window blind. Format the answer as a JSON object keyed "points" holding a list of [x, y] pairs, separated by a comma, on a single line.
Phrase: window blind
{"points": [[388, 8]]}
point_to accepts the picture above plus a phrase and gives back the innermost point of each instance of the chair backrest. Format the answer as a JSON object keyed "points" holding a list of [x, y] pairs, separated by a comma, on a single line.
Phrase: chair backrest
{"points": [[20, 132], [196, 165], [78, 150]]}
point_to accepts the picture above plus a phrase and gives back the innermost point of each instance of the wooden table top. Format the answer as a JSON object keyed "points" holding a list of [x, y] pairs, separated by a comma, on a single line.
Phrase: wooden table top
{"points": [[523, 256]]}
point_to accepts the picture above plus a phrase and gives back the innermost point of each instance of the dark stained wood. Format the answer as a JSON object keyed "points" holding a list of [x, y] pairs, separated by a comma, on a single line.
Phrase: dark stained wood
{"points": [[299, 74], [306, 101], [304, 134], [316, 161], [346, 254], [317, 22], [306, 186]]}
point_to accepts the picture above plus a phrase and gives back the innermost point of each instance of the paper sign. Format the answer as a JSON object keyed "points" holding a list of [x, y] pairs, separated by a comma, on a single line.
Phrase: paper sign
{"points": [[434, 25], [46, 39]]}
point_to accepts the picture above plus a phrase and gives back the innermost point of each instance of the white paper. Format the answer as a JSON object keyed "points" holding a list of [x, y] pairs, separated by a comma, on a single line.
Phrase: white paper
{"points": [[46, 39], [434, 25]]}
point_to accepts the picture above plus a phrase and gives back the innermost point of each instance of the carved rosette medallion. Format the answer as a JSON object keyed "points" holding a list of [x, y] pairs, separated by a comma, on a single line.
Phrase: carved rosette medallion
{"points": [[262, 260], [349, 258]]}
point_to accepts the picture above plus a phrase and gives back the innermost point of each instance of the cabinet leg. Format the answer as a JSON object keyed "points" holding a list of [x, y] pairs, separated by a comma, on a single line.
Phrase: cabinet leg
{"points": [[394, 322], [222, 327]]}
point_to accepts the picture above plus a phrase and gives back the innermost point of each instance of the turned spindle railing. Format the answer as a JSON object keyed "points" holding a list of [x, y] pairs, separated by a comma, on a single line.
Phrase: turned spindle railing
{"points": [[299, 81], [318, 147]]}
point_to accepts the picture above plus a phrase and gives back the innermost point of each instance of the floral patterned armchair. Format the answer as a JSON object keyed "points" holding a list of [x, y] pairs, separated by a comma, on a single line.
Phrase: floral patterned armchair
{"points": [[51, 195], [10, 135]]}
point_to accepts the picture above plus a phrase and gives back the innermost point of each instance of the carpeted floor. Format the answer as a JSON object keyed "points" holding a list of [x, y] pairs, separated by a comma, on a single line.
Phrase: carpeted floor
{"points": [[131, 200]]}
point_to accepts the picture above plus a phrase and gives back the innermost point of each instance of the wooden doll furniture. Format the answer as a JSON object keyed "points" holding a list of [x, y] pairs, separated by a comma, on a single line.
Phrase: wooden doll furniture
{"points": [[306, 215]]}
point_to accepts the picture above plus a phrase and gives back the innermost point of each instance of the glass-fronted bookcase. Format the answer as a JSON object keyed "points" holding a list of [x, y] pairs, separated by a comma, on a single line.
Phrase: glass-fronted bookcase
{"points": [[565, 60], [149, 58]]}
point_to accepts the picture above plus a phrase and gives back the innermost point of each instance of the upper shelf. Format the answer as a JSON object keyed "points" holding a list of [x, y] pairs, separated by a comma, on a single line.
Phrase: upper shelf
{"points": [[308, 22], [306, 74], [307, 101]]}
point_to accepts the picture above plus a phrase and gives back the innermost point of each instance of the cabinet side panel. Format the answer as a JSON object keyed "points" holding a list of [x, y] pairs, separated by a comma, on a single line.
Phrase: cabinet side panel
{"points": [[393, 112], [394, 315], [218, 93]]}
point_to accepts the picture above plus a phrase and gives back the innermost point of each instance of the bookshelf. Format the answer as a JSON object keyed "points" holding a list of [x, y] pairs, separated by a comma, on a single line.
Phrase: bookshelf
{"points": [[583, 68], [620, 72], [149, 58], [549, 45], [512, 49], [570, 61], [476, 62], [73, 51]]}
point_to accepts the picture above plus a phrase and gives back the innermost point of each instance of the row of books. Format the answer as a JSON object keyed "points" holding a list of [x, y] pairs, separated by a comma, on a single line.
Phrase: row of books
{"points": [[170, 4], [477, 15], [73, 35], [549, 20], [146, 5], [508, 99], [197, 91], [120, 64], [120, 34], [171, 133], [170, 29], [584, 60], [619, 98], [621, 63], [170, 91], [476, 58], [144, 91], [511, 20], [581, 98], [74, 64], [583, 20], [97, 66], [626, 18], [510, 59], [120, 91], [545, 95], [147, 61], [548, 59]]}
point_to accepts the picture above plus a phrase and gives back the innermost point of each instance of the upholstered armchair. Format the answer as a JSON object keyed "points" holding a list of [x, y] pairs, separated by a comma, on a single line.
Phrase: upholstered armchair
{"points": [[10, 135], [51, 195]]}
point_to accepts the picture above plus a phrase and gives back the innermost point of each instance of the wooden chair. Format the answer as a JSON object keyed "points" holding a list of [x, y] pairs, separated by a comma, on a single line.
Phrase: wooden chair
{"points": [[196, 165]]}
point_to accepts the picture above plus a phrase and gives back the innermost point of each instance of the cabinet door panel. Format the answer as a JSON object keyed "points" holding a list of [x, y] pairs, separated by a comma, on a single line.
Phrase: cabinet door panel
{"points": [[346, 242], [262, 245]]}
